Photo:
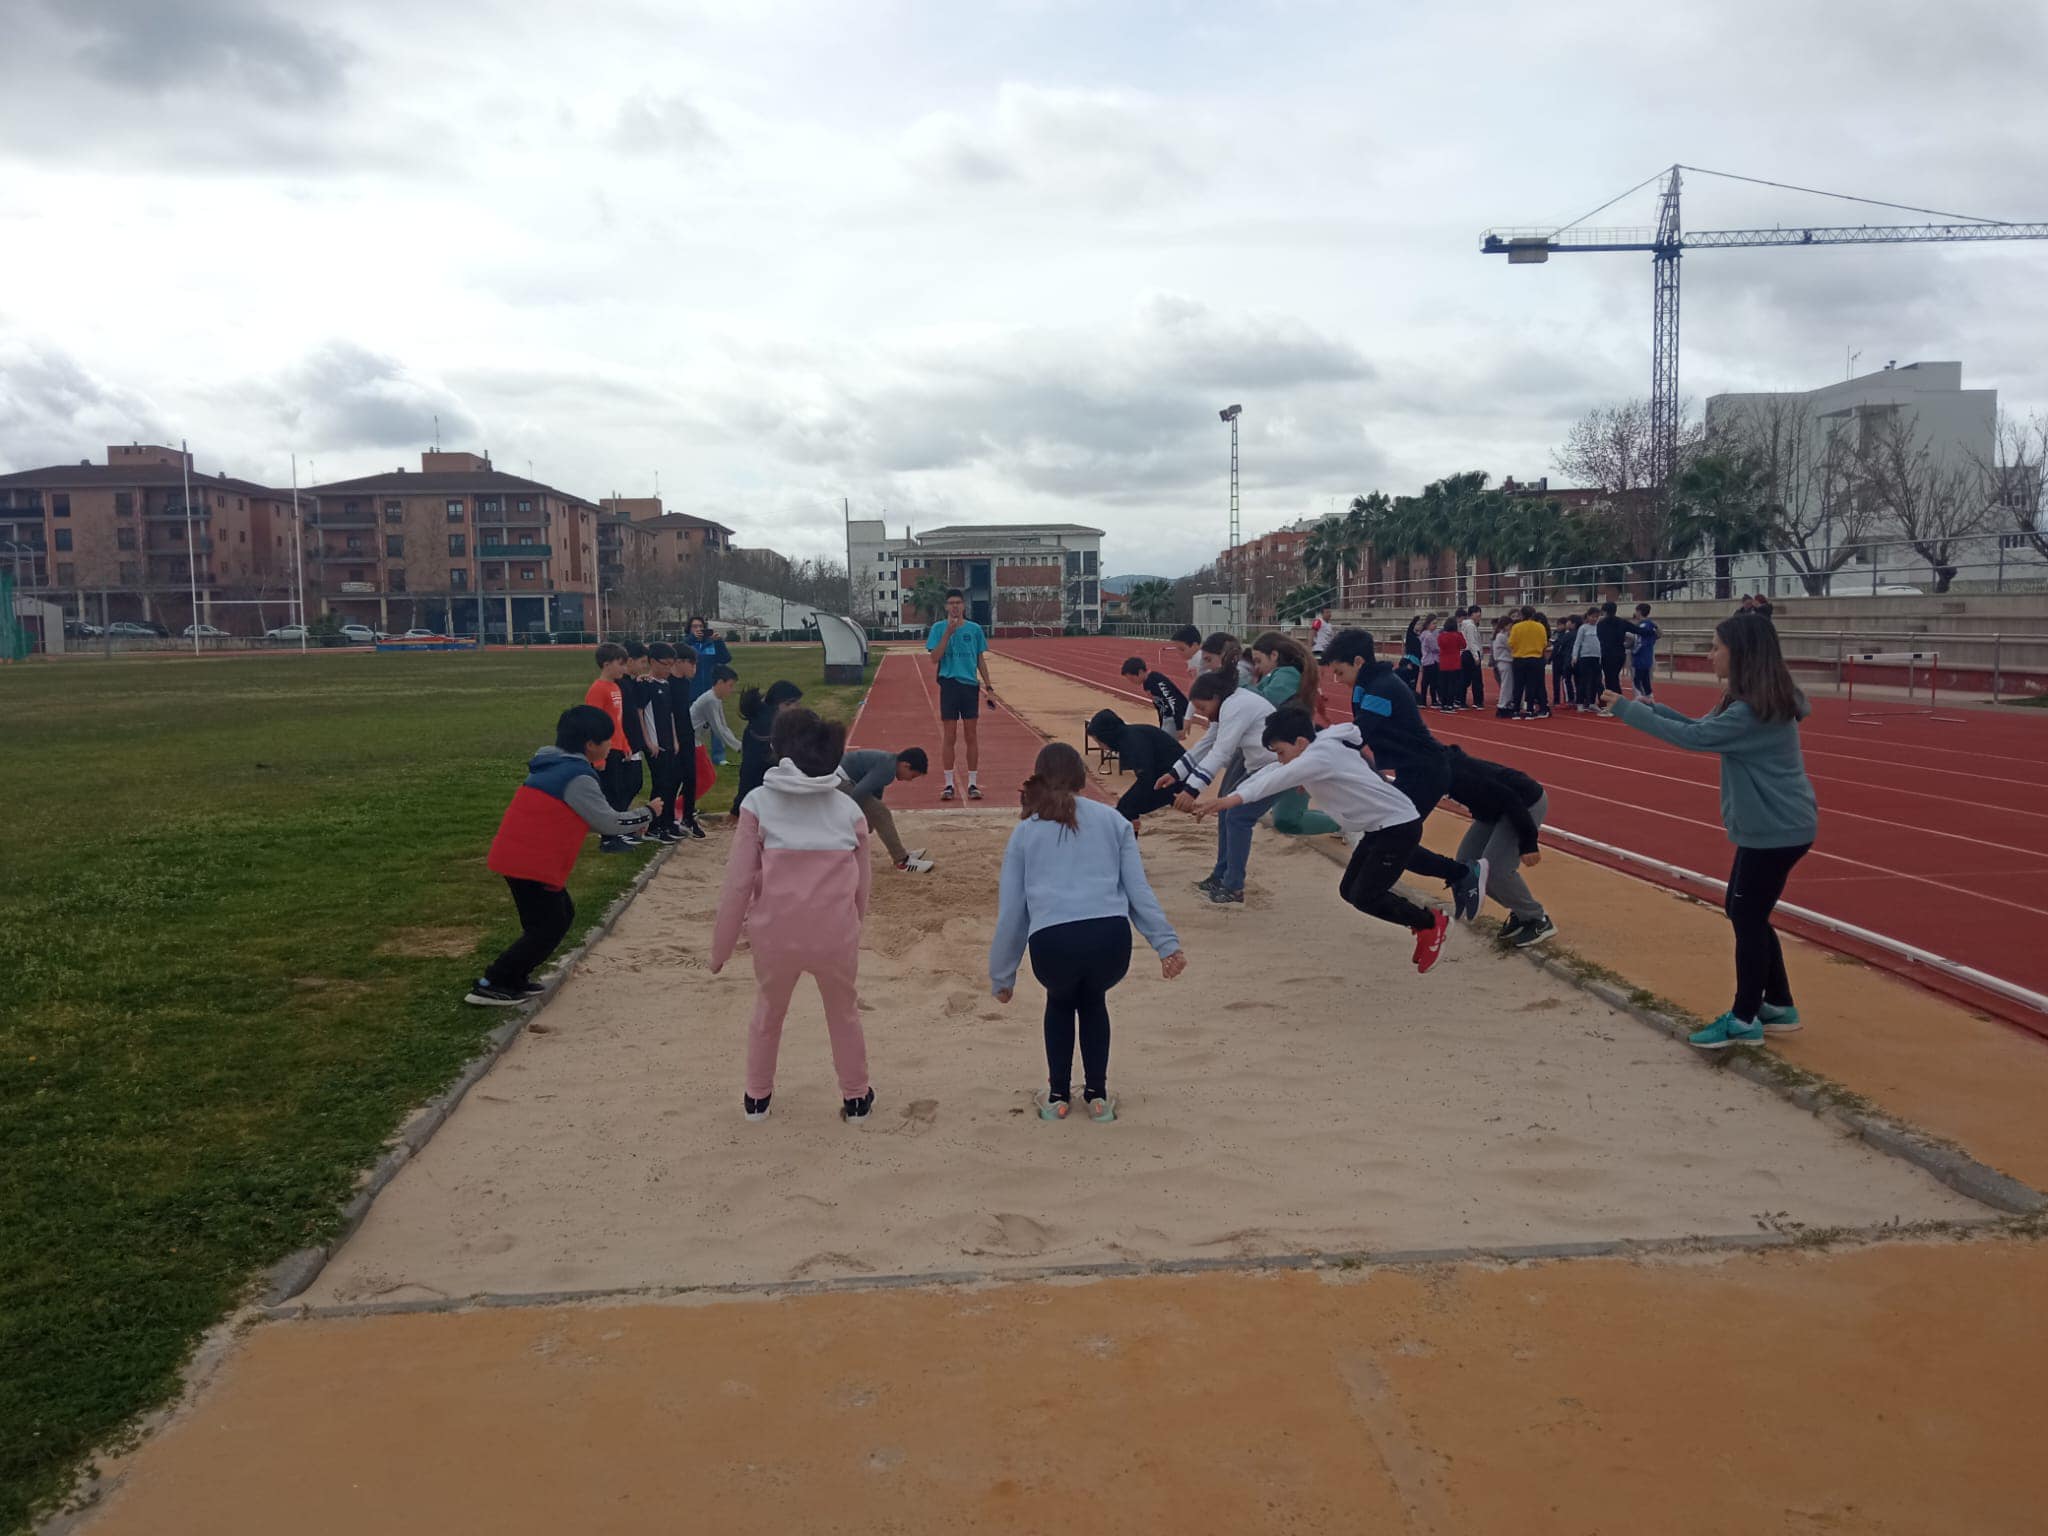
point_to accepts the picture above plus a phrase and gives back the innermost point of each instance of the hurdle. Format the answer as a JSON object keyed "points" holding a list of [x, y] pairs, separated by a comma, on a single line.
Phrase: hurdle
{"points": [[1913, 661]]}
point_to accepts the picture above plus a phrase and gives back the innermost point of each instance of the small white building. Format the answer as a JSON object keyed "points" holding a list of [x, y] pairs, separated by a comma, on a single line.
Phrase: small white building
{"points": [[1013, 575]]}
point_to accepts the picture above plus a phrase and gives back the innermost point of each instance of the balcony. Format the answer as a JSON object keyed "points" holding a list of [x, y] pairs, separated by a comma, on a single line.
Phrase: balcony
{"points": [[342, 557], [200, 542], [514, 551], [326, 518], [177, 514], [511, 519]]}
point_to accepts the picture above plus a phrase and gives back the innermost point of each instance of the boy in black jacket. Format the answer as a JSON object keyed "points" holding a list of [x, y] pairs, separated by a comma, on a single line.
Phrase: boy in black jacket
{"points": [[633, 691], [1507, 809], [1614, 637], [675, 778], [1171, 703], [1149, 752], [1383, 709]]}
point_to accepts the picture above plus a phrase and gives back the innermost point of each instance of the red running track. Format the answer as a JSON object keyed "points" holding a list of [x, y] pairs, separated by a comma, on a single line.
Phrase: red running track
{"points": [[902, 710], [1932, 834]]}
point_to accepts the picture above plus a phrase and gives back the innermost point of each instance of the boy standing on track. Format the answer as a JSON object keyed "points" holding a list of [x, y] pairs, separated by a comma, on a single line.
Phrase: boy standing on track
{"points": [[1586, 663], [1528, 643], [960, 648], [1171, 703], [1475, 668], [608, 694]]}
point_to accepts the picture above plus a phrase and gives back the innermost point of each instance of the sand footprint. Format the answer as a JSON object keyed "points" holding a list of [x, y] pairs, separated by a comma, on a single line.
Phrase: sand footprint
{"points": [[1005, 1234]]}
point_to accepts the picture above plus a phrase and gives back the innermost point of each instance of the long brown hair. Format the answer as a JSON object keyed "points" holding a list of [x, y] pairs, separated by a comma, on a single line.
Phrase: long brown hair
{"points": [[1056, 778], [1224, 647], [1292, 655], [1757, 674]]}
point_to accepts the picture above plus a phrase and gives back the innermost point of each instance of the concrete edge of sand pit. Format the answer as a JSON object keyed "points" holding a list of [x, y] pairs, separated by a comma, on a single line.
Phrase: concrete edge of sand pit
{"points": [[1335, 1263], [297, 1270], [1808, 1090]]}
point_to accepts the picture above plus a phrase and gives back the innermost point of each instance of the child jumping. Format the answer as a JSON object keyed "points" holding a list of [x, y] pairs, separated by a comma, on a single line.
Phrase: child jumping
{"points": [[1767, 805], [1288, 676], [866, 776], [797, 883], [1507, 809], [1171, 703], [561, 803], [1072, 886], [1329, 764]]}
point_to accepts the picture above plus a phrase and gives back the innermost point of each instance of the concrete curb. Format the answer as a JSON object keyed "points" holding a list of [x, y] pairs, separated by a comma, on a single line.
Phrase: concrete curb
{"points": [[1363, 1259], [1812, 1093], [297, 1270]]}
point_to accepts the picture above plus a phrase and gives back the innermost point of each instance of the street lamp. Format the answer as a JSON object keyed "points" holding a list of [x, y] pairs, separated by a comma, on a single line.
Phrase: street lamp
{"points": [[1230, 413]]}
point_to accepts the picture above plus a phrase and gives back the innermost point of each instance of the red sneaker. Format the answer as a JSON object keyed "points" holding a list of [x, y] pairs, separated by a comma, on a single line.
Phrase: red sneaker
{"points": [[1429, 942]]}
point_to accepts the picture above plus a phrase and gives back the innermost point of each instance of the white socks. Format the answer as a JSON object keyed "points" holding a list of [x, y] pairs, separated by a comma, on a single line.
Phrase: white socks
{"points": [[949, 778], [973, 779]]}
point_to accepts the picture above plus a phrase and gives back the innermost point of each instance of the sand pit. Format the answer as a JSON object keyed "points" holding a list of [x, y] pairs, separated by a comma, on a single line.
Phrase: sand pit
{"points": [[1300, 1088]]}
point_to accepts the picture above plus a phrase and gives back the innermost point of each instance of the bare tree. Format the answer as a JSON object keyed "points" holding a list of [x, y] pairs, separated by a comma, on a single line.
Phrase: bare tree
{"points": [[1807, 467], [1931, 503], [1610, 449], [2014, 480]]}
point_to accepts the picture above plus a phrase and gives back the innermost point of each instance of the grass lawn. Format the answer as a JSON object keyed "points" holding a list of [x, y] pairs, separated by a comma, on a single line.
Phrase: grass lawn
{"points": [[239, 901]]}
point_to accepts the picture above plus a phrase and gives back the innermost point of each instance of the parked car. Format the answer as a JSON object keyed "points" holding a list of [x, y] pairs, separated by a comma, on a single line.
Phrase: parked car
{"points": [[421, 634], [204, 632], [286, 632], [131, 629], [80, 629], [359, 634]]}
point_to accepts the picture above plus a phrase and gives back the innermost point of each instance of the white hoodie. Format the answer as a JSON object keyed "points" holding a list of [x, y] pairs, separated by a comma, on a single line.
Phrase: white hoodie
{"points": [[1239, 722], [797, 879], [1339, 780]]}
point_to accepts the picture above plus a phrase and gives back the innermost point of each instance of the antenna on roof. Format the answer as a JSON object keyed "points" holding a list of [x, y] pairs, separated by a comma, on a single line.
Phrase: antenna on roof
{"points": [[437, 431]]}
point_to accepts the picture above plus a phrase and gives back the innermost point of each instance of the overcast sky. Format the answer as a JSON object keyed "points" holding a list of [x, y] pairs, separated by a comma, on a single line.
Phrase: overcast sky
{"points": [[988, 261]]}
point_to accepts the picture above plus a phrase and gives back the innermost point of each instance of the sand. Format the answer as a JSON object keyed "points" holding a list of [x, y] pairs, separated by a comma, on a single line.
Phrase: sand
{"points": [[1299, 1088]]}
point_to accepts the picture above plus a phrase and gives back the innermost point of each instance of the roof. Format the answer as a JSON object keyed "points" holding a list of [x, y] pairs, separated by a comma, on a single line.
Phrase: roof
{"points": [[681, 520], [968, 530], [59, 477], [413, 482]]}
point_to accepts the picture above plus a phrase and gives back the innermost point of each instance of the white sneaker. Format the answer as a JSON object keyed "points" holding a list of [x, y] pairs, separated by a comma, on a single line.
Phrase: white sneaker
{"points": [[916, 866]]}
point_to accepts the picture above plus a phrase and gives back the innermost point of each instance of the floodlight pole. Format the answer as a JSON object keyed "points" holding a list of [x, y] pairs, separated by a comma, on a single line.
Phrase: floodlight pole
{"points": [[299, 553], [1237, 617]]}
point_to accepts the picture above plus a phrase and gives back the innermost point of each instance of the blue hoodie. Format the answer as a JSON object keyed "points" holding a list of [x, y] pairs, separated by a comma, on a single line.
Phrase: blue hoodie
{"points": [[1383, 709]]}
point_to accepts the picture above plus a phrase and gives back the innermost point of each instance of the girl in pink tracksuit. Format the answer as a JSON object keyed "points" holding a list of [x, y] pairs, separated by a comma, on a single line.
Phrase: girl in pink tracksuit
{"points": [[797, 884]]}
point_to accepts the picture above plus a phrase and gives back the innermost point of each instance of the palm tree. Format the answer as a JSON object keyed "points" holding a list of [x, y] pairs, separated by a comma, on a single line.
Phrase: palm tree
{"points": [[1151, 601], [1363, 521], [928, 597], [1720, 505]]}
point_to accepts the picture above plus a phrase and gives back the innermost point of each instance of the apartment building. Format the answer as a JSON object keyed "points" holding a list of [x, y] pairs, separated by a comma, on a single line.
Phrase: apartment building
{"points": [[638, 538], [118, 540], [1266, 568], [1013, 575], [455, 546]]}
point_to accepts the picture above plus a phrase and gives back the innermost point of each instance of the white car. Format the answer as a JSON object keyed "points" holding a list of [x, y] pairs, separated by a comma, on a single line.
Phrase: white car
{"points": [[286, 632], [358, 634], [421, 634], [204, 632]]}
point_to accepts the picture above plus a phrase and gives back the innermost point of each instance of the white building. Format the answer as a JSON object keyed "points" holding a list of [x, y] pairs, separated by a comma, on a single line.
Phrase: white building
{"points": [[1013, 575]]}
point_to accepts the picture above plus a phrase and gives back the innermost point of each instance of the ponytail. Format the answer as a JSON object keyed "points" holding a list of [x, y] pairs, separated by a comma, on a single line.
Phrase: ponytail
{"points": [[1292, 655], [1056, 778], [750, 703], [780, 692]]}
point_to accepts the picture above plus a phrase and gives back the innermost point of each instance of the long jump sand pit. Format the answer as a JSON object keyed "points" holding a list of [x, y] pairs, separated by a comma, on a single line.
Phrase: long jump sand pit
{"points": [[1300, 1088]]}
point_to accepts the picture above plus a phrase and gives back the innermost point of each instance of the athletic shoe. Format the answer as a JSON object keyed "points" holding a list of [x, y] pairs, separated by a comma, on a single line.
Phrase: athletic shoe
{"points": [[946, 793], [1541, 714], [484, 995], [613, 845], [915, 866], [1778, 1021], [974, 791], [914, 853], [756, 1109], [1429, 942], [532, 989], [1510, 928], [1466, 894], [668, 837], [1531, 934], [1103, 1110], [1220, 897], [1725, 1031], [855, 1111], [692, 830], [1204, 887], [1050, 1108]]}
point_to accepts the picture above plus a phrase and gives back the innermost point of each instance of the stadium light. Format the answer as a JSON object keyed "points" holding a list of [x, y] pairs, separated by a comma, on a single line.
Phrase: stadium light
{"points": [[1230, 412]]}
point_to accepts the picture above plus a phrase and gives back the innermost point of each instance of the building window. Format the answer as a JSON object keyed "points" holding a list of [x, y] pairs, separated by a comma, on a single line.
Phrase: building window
{"points": [[240, 505], [60, 503], [67, 574], [526, 538], [526, 573], [394, 545], [457, 544], [458, 581], [128, 578], [354, 544], [124, 538], [526, 506], [455, 510], [351, 508], [241, 535], [394, 511], [63, 538], [124, 503], [397, 579], [220, 501]]}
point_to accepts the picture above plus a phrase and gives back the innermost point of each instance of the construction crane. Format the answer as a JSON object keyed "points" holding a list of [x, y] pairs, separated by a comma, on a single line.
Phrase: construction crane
{"points": [[1669, 241]]}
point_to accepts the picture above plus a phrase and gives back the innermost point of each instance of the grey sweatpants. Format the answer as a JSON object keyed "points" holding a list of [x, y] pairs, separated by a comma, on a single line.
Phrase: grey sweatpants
{"points": [[1495, 841], [880, 822]]}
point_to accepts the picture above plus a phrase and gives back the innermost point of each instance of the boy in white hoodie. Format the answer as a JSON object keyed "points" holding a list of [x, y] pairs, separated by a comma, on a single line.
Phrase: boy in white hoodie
{"points": [[797, 885], [1329, 766]]}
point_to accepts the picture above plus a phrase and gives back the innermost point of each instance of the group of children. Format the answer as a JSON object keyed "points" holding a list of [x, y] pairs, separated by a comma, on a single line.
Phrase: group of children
{"points": [[1073, 883]]}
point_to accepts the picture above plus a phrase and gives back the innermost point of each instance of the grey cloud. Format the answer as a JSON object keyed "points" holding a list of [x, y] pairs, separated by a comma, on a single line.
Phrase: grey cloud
{"points": [[53, 409], [158, 47], [650, 124], [1090, 143], [344, 396]]}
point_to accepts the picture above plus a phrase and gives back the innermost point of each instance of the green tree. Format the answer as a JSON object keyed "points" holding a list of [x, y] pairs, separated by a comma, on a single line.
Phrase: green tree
{"points": [[928, 597], [1325, 553], [1151, 601], [1720, 505], [1298, 604]]}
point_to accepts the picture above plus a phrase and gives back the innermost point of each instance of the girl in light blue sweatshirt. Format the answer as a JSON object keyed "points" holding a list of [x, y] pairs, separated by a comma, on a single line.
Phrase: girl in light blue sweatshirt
{"points": [[1767, 806], [1072, 886]]}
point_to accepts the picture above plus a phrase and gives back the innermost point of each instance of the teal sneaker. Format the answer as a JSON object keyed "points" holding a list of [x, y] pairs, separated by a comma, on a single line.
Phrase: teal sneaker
{"points": [[1725, 1031], [1778, 1021]]}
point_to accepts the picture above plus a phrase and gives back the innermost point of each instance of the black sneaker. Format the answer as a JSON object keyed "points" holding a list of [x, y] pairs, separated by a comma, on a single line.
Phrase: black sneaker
{"points": [[613, 845], [1531, 934], [532, 989], [974, 791], [855, 1111], [1222, 897], [1466, 893], [756, 1109], [946, 793], [1510, 928], [1205, 886], [692, 830], [484, 995]]}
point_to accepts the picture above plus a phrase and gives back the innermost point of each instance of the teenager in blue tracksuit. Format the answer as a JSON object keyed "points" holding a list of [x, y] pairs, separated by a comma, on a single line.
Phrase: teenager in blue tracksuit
{"points": [[1645, 659], [1383, 708]]}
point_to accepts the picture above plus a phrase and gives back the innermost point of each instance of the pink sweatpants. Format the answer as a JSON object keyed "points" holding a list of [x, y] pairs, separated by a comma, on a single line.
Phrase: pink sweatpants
{"points": [[776, 972]]}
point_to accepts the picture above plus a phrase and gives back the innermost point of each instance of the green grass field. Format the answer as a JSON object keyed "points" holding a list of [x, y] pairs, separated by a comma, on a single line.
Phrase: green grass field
{"points": [[239, 902]]}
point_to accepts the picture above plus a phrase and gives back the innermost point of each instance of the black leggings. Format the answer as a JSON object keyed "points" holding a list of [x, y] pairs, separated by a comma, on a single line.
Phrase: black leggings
{"points": [[1077, 964], [545, 914], [1376, 863], [1755, 883], [1424, 786], [1528, 675]]}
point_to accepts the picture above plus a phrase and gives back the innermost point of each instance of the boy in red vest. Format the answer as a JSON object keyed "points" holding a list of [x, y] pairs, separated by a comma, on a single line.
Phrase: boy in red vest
{"points": [[561, 803]]}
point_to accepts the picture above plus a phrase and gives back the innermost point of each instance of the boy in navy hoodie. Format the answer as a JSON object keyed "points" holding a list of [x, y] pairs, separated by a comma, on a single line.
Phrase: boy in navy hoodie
{"points": [[1171, 703], [1383, 708], [561, 803]]}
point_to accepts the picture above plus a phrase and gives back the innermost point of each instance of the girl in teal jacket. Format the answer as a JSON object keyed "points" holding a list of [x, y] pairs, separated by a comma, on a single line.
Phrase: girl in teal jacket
{"points": [[1285, 675]]}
